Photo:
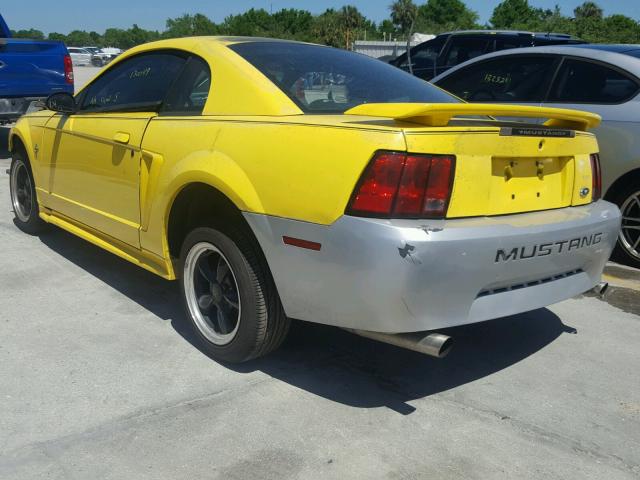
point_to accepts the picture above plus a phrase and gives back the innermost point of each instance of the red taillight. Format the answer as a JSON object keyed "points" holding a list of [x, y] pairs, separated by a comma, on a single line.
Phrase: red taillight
{"points": [[404, 185], [438, 191], [378, 186], [68, 69], [596, 176]]}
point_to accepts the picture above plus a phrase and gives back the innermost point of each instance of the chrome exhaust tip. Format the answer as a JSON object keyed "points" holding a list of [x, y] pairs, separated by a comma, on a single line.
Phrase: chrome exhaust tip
{"points": [[432, 344], [601, 289]]}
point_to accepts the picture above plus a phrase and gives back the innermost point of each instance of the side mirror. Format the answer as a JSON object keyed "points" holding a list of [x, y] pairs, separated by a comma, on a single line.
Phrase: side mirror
{"points": [[61, 102]]}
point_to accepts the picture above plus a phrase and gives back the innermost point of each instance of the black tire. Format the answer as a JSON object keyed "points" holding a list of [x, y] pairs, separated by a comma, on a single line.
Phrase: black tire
{"points": [[624, 251], [24, 201], [261, 323]]}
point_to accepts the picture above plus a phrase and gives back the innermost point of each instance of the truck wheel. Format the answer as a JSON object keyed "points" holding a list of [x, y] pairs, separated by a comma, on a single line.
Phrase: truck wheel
{"points": [[627, 250], [23, 195], [229, 295]]}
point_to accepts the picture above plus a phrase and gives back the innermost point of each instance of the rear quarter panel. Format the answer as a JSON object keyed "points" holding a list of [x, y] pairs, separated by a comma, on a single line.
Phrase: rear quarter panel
{"points": [[271, 166]]}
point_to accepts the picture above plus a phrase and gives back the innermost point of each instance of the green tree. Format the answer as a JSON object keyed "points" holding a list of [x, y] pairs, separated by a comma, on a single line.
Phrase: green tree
{"points": [[59, 37], [252, 23], [189, 26], [514, 14], [78, 38], [554, 21], [403, 15], [439, 15], [293, 23], [96, 39], [32, 34], [621, 29], [351, 20], [587, 10], [139, 35], [117, 37], [327, 28], [387, 29]]}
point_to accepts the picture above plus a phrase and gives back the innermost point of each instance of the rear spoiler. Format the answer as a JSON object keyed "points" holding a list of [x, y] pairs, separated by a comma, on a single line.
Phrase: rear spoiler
{"points": [[439, 114]]}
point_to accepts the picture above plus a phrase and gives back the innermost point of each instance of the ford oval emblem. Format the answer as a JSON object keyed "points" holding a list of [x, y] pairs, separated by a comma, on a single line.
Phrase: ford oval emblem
{"points": [[584, 192]]}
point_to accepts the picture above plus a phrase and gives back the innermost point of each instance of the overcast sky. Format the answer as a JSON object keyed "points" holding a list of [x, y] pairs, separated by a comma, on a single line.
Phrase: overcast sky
{"points": [[66, 15]]}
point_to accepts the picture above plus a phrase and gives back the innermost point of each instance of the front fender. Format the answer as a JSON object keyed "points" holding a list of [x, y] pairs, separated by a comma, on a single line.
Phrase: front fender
{"points": [[21, 132]]}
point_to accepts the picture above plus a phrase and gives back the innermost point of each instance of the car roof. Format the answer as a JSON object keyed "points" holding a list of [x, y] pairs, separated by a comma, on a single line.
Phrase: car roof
{"points": [[511, 32], [614, 57], [618, 48]]}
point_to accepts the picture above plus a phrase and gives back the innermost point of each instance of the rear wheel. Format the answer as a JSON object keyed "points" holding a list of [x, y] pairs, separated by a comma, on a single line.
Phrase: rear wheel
{"points": [[627, 249], [23, 195], [229, 295]]}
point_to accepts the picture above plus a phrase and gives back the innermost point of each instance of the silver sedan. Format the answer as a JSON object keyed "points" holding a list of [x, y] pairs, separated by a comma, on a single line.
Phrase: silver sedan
{"points": [[604, 79]]}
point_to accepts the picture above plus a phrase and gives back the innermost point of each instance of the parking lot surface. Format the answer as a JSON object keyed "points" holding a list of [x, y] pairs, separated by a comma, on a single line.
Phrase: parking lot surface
{"points": [[82, 75], [100, 378]]}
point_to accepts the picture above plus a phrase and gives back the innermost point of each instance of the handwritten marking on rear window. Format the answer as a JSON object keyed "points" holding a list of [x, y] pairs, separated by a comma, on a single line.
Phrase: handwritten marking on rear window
{"points": [[498, 79]]}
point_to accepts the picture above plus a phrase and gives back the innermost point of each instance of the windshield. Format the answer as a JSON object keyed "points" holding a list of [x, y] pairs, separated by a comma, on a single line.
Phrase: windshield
{"points": [[328, 80]]}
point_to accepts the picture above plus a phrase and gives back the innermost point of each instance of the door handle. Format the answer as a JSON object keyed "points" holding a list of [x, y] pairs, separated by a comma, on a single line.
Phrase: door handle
{"points": [[121, 137]]}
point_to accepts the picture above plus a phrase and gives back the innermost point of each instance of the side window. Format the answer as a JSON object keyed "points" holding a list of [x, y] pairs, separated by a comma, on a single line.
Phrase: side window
{"points": [[190, 91], [423, 55], [137, 83], [465, 48], [505, 79], [506, 43], [586, 82]]}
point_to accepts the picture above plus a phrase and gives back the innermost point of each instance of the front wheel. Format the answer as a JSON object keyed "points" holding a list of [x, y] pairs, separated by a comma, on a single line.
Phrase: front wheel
{"points": [[627, 249], [23, 196], [229, 295]]}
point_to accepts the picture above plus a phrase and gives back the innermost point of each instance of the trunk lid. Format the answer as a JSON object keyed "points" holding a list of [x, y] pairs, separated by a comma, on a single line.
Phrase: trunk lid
{"points": [[502, 167], [498, 174]]}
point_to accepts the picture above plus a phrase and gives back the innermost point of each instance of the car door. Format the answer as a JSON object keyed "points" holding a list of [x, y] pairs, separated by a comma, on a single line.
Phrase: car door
{"points": [[612, 93], [95, 154]]}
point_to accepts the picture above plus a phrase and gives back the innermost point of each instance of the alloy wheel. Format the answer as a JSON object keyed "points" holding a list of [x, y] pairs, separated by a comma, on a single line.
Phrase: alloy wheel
{"points": [[212, 294], [21, 191], [630, 232]]}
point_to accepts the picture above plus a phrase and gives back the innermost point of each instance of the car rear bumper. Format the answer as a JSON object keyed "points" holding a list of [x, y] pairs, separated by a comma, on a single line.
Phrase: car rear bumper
{"points": [[415, 275]]}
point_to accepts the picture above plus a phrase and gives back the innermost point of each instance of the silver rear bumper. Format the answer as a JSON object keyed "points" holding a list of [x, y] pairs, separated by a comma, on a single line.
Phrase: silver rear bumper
{"points": [[415, 275]]}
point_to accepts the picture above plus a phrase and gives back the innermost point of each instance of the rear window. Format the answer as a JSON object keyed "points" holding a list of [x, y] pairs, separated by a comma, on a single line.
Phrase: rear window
{"points": [[328, 80]]}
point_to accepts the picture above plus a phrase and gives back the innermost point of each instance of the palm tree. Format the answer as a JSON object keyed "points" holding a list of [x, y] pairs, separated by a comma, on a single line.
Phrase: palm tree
{"points": [[588, 10], [403, 14], [351, 20]]}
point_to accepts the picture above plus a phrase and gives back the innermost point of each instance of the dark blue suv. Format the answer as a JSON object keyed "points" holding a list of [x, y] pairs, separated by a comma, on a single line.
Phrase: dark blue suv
{"points": [[447, 50]]}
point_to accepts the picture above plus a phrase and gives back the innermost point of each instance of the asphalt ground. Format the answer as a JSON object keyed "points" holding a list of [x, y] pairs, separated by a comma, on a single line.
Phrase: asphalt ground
{"points": [[101, 377]]}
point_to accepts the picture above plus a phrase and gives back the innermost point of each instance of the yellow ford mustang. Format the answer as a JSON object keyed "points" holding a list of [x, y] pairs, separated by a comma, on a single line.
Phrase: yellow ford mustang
{"points": [[284, 180]]}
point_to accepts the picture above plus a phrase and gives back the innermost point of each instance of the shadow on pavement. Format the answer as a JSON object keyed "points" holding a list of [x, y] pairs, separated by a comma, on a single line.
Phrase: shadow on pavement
{"points": [[330, 362]]}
